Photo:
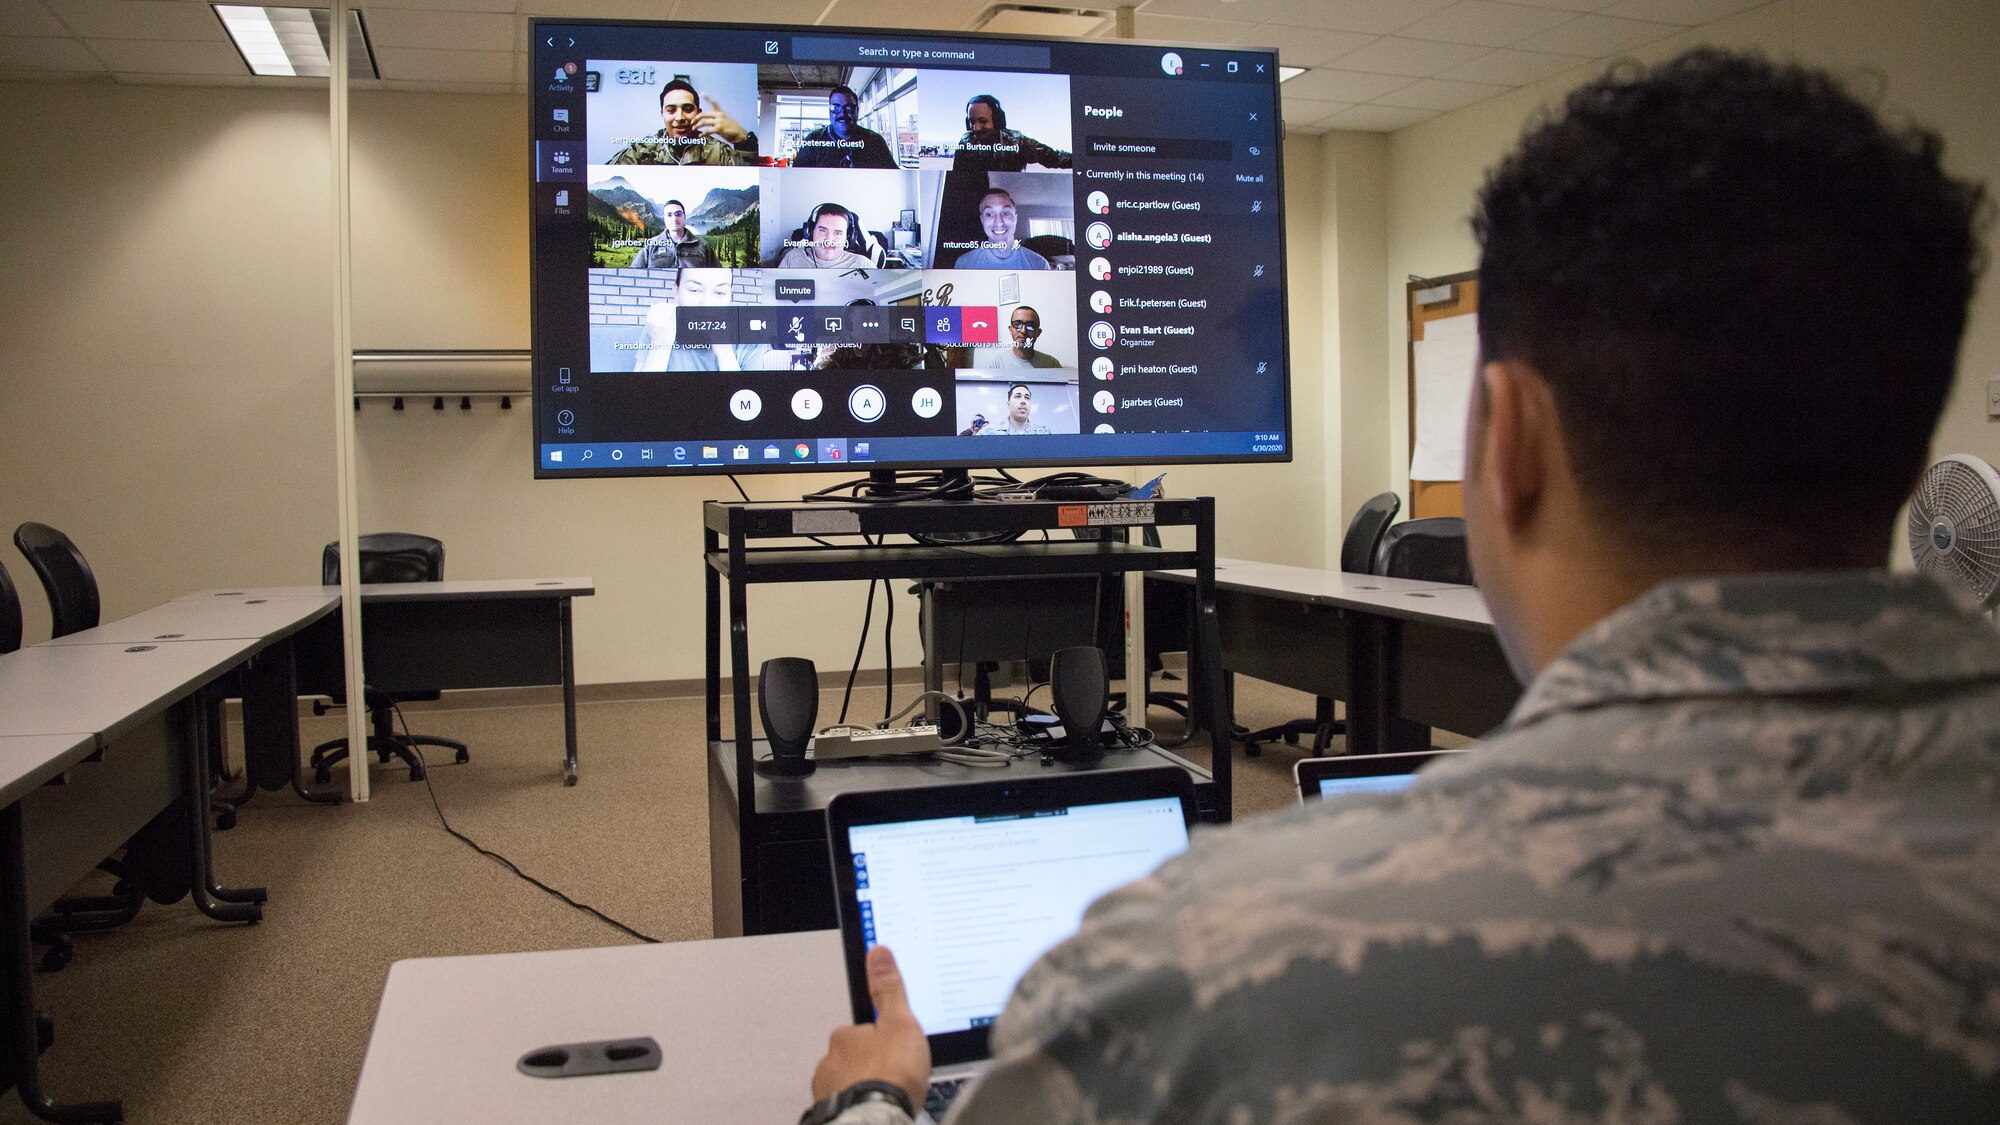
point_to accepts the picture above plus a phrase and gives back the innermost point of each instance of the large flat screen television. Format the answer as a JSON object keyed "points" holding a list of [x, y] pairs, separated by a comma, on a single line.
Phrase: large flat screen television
{"points": [[806, 248]]}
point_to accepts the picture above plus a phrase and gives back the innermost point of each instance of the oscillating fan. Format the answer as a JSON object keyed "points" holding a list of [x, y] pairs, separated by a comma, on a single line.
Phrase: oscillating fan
{"points": [[1955, 526]]}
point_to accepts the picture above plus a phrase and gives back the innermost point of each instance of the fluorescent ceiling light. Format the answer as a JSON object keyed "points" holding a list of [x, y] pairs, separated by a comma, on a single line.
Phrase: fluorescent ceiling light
{"points": [[1040, 19], [1287, 73], [293, 41]]}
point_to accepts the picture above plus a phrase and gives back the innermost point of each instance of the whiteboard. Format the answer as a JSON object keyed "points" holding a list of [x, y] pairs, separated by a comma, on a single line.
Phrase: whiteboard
{"points": [[1444, 362]]}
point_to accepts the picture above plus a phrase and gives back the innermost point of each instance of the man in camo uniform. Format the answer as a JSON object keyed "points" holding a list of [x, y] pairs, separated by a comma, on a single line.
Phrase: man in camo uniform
{"points": [[1735, 856]]}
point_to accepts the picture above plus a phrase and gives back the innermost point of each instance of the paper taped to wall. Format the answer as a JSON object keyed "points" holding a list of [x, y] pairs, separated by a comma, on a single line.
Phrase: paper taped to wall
{"points": [[1444, 361]]}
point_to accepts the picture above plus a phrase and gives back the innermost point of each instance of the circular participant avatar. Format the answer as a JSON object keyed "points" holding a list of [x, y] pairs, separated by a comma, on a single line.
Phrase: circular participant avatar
{"points": [[1098, 202], [1104, 401], [1100, 269], [1104, 428], [1103, 368], [806, 404], [1097, 235], [1100, 302], [1103, 335]]}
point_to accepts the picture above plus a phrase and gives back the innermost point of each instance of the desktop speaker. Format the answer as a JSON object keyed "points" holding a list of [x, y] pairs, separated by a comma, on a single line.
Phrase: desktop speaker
{"points": [[788, 702], [1079, 690]]}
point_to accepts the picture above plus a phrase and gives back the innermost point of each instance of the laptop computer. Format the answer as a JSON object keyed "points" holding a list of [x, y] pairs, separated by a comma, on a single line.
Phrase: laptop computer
{"points": [[1363, 773], [969, 884]]}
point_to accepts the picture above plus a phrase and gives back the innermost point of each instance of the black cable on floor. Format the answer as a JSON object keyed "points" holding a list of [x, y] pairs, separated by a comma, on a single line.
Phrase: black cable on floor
{"points": [[867, 616], [360, 761]]}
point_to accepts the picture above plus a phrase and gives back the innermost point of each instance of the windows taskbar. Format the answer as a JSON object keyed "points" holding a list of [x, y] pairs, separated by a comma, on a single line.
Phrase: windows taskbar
{"points": [[1082, 449]]}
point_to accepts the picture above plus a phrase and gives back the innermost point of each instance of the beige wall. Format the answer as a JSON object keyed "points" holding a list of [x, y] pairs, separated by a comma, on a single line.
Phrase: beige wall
{"points": [[168, 386], [1934, 61]]}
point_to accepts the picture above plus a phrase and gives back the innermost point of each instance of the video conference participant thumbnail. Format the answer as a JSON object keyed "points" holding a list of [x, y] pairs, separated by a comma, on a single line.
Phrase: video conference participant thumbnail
{"points": [[668, 218], [996, 405], [981, 121], [982, 219], [645, 112], [1033, 317], [843, 142], [838, 219]]}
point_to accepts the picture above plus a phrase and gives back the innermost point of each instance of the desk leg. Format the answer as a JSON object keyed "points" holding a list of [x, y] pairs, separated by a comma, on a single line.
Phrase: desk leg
{"points": [[569, 693], [1373, 727], [218, 902], [23, 1051]]}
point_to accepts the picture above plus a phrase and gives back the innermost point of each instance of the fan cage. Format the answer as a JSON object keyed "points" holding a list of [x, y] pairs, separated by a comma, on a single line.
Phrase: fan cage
{"points": [[1954, 526]]}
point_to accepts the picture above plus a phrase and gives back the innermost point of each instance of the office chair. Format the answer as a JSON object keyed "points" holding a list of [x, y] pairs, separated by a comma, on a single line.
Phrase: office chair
{"points": [[385, 557], [1431, 550], [66, 578], [1357, 556], [10, 613]]}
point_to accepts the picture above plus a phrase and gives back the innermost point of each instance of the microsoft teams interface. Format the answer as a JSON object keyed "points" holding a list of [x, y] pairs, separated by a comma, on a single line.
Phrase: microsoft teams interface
{"points": [[968, 903], [1386, 783], [761, 248]]}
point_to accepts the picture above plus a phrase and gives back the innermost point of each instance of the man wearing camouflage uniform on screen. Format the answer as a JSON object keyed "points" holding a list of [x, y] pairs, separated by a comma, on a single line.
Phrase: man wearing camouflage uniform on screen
{"points": [[1735, 856]]}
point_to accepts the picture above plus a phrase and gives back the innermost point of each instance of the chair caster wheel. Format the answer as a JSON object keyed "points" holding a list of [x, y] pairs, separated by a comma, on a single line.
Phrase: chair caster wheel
{"points": [[1253, 749], [225, 821], [463, 757], [323, 775], [56, 957], [416, 773], [45, 1033]]}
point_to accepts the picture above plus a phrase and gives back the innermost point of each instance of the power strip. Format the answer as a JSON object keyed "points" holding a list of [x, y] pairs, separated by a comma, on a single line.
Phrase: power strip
{"points": [[871, 743]]}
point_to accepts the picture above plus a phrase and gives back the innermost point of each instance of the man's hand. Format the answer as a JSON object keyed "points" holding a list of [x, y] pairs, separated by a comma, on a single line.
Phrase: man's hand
{"points": [[714, 120], [892, 1049]]}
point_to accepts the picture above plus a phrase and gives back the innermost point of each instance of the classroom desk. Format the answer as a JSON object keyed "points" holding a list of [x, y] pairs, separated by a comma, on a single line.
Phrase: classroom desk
{"points": [[422, 636], [100, 744], [741, 1022], [1403, 655]]}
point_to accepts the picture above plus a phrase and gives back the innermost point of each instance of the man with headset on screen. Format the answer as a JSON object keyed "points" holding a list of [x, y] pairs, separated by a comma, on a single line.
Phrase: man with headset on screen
{"points": [[990, 146], [829, 231], [843, 142], [691, 135], [1732, 858]]}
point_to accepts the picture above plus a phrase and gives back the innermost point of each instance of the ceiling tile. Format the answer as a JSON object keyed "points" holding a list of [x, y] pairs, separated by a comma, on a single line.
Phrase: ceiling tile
{"points": [[29, 19], [1375, 17], [1486, 23], [1440, 95], [450, 87], [1308, 46], [1418, 58], [139, 19], [1595, 36], [1242, 11], [152, 56], [1184, 29], [1343, 85], [758, 11], [209, 80], [932, 15], [1687, 13], [36, 54], [415, 64], [1310, 109], [1509, 67], [1376, 118], [369, 7], [457, 31]]}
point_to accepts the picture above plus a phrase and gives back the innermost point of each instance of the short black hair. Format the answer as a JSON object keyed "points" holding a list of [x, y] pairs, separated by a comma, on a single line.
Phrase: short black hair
{"points": [[1023, 386], [673, 202], [679, 84], [991, 102], [1745, 294]]}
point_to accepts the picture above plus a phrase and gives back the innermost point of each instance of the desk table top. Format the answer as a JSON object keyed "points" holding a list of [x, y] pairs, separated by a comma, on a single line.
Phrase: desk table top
{"points": [[741, 1022], [29, 760], [1441, 603], [211, 619], [449, 590]]}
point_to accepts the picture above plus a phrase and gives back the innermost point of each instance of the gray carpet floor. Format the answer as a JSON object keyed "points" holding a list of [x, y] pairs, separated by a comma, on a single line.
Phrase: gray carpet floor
{"points": [[192, 1021]]}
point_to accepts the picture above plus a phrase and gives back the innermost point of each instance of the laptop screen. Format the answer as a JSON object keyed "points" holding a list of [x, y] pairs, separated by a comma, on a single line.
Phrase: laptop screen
{"points": [[1335, 786], [1320, 778], [969, 902], [970, 883]]}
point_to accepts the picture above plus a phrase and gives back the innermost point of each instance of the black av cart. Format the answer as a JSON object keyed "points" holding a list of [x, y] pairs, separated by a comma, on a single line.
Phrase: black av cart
{"points": [[767, 836]]}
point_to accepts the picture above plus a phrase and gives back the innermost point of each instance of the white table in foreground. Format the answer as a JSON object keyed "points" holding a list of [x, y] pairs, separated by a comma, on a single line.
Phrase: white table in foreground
{"points": [[741, 1022]]}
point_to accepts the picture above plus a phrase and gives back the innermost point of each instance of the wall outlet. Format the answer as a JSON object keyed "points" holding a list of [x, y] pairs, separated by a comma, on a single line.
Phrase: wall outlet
{"points": [[1993, 398]]}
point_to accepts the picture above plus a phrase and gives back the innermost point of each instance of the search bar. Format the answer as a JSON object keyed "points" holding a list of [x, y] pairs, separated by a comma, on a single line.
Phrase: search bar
{"points": [[920, 52]]}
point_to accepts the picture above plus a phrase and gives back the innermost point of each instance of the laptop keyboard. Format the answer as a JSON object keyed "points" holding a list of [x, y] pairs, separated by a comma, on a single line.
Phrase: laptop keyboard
{"points": [[939, 1097]]}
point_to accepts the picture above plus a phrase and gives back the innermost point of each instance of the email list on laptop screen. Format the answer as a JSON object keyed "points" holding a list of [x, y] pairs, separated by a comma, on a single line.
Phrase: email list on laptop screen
{"points": [[969, 902], [1388, 783]]}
